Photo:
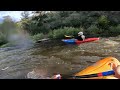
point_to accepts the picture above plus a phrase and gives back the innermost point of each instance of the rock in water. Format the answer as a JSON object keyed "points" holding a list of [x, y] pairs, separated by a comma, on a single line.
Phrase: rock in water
{"points": [[38, 74]]}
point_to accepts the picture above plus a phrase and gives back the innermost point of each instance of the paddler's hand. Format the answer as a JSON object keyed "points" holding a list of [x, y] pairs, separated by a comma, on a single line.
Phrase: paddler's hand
{"points": [[116, 69], [56, 76], [117, 72]]}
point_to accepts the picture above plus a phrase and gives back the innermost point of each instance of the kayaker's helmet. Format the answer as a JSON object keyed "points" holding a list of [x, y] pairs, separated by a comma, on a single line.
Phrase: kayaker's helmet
{"points": [[80, 33]]}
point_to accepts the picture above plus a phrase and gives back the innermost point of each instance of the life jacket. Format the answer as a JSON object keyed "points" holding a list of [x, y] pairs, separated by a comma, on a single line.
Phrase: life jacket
{"points": [[80, 37]]}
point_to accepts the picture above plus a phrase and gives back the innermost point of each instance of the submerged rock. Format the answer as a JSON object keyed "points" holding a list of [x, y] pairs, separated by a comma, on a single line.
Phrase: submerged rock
{"points": [[38, 74]]}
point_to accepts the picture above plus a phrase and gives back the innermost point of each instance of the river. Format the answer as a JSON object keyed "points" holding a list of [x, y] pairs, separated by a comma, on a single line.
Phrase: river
{"points": [[48, 58]]}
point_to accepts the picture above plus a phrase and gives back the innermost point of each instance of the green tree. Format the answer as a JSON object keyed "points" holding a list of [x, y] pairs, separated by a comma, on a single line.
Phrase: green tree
{"points": [[7, 27], [25, 14]]}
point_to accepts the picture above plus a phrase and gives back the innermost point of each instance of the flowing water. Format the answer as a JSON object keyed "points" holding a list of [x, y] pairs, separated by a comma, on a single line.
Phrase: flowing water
{"points": [[46, 58]]}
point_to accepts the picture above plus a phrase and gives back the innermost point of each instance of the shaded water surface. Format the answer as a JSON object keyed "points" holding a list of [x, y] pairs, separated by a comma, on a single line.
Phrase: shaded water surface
{"points": [[46, 58]]}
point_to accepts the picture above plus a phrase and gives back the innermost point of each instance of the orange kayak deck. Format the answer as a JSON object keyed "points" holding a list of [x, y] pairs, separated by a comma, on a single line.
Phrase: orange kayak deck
{"points": [[100, 66]]}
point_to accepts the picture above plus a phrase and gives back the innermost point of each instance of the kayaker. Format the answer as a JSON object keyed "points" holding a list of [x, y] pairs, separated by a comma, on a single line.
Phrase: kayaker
{"points": [[80, 36]]}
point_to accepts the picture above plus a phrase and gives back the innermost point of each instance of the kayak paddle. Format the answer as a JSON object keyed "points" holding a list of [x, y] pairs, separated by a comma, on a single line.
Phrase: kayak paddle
{"points": [[107, 73], [69, 36]]}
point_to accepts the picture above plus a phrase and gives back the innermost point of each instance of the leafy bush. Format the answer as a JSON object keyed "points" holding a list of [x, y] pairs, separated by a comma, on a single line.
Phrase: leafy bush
{"points": [[103, 22], [59, 33], [93, 30], [38, 37], [50, 34], [114, 31], [3, 39]]}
